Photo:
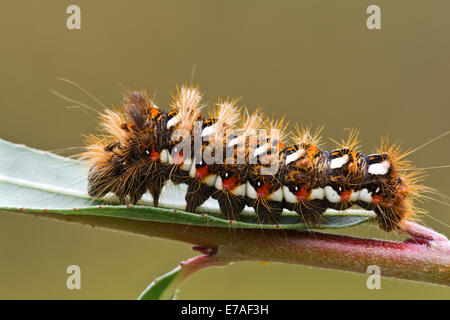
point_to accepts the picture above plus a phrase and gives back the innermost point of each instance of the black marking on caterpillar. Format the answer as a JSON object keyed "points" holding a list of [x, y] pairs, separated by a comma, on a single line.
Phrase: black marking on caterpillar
{"points": [[137, 153]]}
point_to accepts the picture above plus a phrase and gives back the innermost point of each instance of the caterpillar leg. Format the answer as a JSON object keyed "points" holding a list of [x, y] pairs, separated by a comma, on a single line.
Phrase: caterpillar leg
{"points": [[178, 177], [122, 197], [310, 211], [98, 185], [389, 218], [267, 211], [197, 194], [230, 205], [155, 191], [137, 195]]}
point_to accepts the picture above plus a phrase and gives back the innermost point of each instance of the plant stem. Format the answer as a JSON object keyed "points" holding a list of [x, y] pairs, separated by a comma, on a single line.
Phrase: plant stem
{"points": [[426, 257], [164, 287]]}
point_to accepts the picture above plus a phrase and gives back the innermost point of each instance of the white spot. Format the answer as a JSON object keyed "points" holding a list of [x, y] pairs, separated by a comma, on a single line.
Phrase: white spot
{"points": [[208, 131], [173, 121], [379, 168], [332, 195], [365, 195], [276, 195], [354, 196], [218, 183], [260, 150], [233, 142], [210, 180], [295, 156], [193, 170], [251, 192], [240, 190], [288, 195], [187, 164], [164, 156], [339, 162], [317, 193]]}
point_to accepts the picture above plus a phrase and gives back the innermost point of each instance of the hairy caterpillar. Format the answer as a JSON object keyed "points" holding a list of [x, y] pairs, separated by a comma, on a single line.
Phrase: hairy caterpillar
{"points": [[142, 147]]}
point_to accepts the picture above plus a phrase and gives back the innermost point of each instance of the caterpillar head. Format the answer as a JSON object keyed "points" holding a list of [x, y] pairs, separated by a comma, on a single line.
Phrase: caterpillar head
{"points": [[393, 186]]}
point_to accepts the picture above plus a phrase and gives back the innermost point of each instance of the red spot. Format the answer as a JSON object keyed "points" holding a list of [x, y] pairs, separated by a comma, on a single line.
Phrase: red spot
{"points": [[21, 209], [277, 226], [230, 221], [302, 194], [201, 172], [100, 207], [175, 210], [345, 195], [304, 162], [178, 159], [376, 199], [128, 205], [74, 209], [45, 210], [203, 215], [229, 184], [263, 191], [154, 155]]}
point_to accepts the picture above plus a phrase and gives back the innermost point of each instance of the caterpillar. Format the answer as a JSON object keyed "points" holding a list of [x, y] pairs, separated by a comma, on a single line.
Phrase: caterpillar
{"points": [[224, 157]]}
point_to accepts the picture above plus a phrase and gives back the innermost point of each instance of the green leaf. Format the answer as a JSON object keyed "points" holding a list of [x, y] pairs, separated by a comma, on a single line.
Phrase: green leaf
{"points": [[164, 287], [38, 181]]}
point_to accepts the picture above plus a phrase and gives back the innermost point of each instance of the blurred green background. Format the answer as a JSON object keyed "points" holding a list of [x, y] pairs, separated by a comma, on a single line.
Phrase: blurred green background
{"points": [[315, 62]]}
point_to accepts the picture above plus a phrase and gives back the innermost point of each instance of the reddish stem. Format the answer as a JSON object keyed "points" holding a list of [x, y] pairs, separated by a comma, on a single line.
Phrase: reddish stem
{"points": [[415, 230], [426, 257]]}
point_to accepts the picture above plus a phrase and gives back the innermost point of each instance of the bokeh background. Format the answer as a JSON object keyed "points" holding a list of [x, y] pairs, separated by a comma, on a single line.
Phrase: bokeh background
{"points": [[314, 62]]}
